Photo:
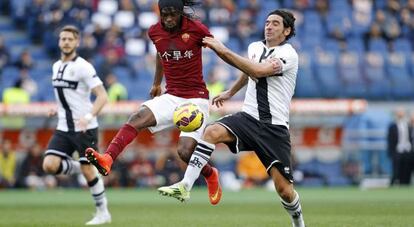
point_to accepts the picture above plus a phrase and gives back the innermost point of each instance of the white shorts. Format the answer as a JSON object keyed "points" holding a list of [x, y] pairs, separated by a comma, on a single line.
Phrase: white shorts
{"points": [[163, 109]]}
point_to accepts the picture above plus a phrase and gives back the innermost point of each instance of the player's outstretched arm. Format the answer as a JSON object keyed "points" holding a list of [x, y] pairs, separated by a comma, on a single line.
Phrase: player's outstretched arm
{"points": [[239, 84], [159, 72], [253, 69]]}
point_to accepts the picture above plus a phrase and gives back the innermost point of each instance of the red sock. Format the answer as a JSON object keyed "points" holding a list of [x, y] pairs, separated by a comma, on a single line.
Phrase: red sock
{"points": [[124, 136], [207, 170]]}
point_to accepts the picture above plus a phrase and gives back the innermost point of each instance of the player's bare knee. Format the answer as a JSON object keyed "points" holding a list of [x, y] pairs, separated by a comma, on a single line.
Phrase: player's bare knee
{"points": [[142, 119], [212, 134], [51, 164], [49, 167]]}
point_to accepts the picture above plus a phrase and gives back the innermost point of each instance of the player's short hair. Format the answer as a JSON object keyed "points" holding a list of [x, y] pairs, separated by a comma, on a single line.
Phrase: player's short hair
{"points": [[71, 28], [288, 20]]}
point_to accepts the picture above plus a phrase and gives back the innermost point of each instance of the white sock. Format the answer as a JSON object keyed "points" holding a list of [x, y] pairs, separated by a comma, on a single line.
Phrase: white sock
{"points": [[198, 160], [69, 167], [295, 210], [97, 189]]}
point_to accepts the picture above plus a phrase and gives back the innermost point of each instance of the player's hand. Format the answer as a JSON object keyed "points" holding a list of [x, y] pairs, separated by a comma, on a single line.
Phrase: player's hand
{"points": [[82, 124], [155, 91], [214, 44], [52, 112], [219, 99]]}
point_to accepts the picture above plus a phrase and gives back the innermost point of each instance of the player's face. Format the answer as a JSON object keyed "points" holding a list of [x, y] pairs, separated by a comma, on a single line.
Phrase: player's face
{"points": [[170, 18], [68, 42], [274, 29]]}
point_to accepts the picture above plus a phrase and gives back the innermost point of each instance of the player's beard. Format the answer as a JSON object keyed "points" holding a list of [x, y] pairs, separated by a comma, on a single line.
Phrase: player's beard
{"points": [[68, 53]]}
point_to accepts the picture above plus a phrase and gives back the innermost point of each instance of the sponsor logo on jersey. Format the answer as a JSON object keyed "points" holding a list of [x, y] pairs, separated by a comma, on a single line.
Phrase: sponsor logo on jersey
{"points": [[59, 83], [185, 37]]}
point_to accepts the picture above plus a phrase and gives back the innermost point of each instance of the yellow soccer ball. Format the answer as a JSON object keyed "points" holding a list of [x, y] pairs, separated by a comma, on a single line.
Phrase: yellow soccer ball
{"points": [[188, 117]]}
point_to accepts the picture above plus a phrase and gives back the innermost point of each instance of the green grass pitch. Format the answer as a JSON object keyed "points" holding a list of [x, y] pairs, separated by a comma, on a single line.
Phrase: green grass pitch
{"points": [[257, 207]]}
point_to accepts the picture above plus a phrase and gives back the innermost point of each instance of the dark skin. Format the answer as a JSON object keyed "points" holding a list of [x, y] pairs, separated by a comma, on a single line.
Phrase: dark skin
{"points": [[144, 118], [170, 19]]}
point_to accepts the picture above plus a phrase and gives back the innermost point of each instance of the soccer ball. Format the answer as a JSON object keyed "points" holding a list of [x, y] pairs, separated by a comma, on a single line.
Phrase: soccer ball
{"points": [[188, 117]]}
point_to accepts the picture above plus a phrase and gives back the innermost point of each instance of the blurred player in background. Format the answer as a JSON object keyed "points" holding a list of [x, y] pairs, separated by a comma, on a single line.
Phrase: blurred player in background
{"points": [[73, 80], [263, 124], [178, 40]]}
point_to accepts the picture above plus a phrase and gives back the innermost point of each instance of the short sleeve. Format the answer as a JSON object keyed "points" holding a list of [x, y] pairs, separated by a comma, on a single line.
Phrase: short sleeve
{"points": [[204, 30], [151, 33], [90, 77], [289, 59], [250, 50]]}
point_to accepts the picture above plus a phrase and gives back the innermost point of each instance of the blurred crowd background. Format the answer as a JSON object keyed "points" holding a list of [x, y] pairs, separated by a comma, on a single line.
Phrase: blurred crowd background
{"points": [[348, 49]]}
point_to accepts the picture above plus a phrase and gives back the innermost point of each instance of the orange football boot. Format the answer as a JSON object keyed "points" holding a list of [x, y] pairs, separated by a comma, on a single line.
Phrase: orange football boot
{"points": [[102, 162], [214, 187]]}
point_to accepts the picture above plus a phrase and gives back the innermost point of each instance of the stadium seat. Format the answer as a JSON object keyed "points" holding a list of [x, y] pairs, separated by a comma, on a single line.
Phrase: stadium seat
{"points": [[397, 66], [108, 7], [339, 22], [332, 45], [146, 19], [10, 75], [411, 64], [135, 47], [326, 72], [402, 45], [378, 45], [220, 32], [397, 70], [350, 73], [313, 30], [101, 19], [306, 83], [355, 44], [379, 86], [124, 19]]}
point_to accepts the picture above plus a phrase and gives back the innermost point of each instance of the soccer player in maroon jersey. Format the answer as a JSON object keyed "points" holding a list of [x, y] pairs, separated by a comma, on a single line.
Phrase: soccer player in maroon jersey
{"points": [[178, 40]]}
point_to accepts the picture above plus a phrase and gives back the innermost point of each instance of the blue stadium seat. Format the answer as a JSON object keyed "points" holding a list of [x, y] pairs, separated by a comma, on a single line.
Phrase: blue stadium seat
{"points": [[397, 70], [411, 63], [10, 75], [378, 45], [402, 89], [350, 73], [402, 45], [45, 91], [339, 6], [325, 67], [397, 66], [331, 45], [40, 75], [306, 83], [313, 30], [355, 44], [379, 86], [122, 72], [339, 21]]}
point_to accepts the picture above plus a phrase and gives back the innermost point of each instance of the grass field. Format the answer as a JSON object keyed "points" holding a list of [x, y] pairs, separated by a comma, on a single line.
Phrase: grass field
{"points": [[257, 207]]}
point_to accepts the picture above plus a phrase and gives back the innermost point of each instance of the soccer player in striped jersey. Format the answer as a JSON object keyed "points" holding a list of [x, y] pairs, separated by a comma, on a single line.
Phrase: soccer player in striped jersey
{"points": [[178, 40], [73, 80], [262, 125]]}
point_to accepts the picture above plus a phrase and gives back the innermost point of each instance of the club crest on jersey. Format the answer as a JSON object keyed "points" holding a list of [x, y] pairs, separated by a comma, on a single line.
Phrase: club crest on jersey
{"points": [[185, 37]]}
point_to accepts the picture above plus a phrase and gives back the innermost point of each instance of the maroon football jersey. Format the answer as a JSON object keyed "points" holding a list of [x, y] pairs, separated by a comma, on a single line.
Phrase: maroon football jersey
{"points": [[180, 54]]}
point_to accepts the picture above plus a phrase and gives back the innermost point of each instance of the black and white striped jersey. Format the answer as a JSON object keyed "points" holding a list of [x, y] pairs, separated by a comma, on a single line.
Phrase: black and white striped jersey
{"points": [[268, 100], [73, 81]]}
